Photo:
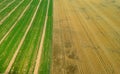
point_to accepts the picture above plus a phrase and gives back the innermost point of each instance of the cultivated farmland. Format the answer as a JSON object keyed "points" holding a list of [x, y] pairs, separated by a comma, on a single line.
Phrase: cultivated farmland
{"points": [[59, 37], [86, 37], [25, 30]]}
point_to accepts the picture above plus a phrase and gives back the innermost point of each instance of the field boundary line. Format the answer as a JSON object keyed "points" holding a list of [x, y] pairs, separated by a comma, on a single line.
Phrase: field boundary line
{"points": [[41, 43], [15, 23], [1, 21], [7, 6], [22, 40]]}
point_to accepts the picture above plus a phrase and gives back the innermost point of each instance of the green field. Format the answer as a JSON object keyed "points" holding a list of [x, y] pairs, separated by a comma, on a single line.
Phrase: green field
{"points": [[25, 25]]}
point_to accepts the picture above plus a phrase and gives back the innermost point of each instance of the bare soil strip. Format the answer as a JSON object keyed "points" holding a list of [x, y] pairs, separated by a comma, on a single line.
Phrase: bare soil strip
{"points": [[15, 23], [1, 21], [7, 6], [21, 42], [41, 43]]}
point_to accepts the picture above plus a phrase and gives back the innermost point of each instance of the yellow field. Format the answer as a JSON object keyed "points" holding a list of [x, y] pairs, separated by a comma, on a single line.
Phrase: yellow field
{"points": [[86, 37]]}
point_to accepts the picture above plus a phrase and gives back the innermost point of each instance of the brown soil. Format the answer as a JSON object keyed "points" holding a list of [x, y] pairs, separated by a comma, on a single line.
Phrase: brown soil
{"points": [[86, 37]]}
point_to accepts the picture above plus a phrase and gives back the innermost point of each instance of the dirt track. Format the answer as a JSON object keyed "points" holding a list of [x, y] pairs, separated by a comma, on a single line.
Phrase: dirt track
{"points": [[86, 37]]}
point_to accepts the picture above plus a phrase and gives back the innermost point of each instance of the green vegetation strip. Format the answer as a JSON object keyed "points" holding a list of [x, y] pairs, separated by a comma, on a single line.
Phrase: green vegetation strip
{"points": [[47, 47], [7, 6], [4, 3], [28, 52], [12, 19], [8, 9], [8, 47], [1, 1], [26, 58]]}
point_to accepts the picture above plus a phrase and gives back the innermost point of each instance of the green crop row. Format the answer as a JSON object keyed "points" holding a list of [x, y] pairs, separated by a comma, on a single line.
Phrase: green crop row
{"points": [[45, 62], [26, 58], [9, 9], [6, 25], [8, 47], [4, 3], [28, 52]]}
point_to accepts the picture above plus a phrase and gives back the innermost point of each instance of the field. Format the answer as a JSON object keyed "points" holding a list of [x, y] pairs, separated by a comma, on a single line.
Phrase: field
{"points": [[59, 37], [86, 37], [25, 34]]}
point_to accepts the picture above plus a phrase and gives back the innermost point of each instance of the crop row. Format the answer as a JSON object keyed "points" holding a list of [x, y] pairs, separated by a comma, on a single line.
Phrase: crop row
{"points": [[21, 33]]}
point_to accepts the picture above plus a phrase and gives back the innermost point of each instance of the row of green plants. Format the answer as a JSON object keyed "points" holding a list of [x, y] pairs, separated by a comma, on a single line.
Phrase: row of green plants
{"points": [[10, 44]]}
